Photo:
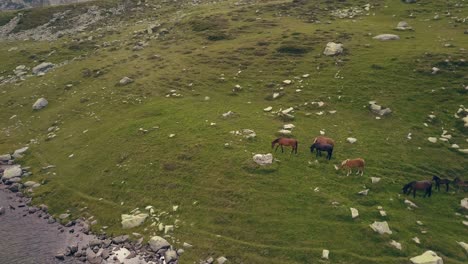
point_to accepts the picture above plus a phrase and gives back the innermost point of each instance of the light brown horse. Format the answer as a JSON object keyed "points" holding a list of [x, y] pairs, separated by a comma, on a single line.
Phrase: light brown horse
{"points": [[324, 140], [349, 164], [285, 142]]}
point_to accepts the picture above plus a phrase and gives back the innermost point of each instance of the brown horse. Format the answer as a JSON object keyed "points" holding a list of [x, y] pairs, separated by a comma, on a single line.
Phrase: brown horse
{"points": [[324, 140], [440, 181], [459, 183], [349, 164], [285, 142], [418, 185]]}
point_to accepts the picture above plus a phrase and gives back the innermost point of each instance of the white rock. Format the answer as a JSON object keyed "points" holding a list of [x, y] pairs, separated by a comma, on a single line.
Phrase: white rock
{"points": [[419, 223], [268, 109], [40, 103], [455, 146], [375, 179], [333, 48], [287, 111], [289, 126], [403, 25], [432, 139], [465, 151], [435, 70], [381, 227], [410, 203], [125, 80], [325, 253], [5, 157], [354, 212], [168, 228], [156, 243], [275, 95], [416, 240], [428, 257], [30, 184], [248, 133], [130, 221], [463, 245], [351, 140], [464, 203], [263, 159], [395, 244], [385, 37], [228, 114], [285, 132], [383, 213], [221, 260], [12, 172], [19, 152], [364, 192], [305, 75], [287, 81]]}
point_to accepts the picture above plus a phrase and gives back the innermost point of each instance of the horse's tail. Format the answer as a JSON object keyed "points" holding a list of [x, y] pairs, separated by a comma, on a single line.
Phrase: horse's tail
{"points": [[274, 142]]}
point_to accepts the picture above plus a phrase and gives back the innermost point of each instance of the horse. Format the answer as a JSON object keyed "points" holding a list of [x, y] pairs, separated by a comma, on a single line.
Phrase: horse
{"points": [[439, 181], [418, 185], [459, 183], [349, 164], [322, 147], [285, 142], [324, 140]]}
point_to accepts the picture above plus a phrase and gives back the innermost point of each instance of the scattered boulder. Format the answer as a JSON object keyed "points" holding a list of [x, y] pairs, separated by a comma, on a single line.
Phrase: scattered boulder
{"points": [[221, 260], [284, 132], [395, 244], [386, 37], [428, 257], [416, 240], [410, 203], [403, 25], [351, 140], [131, 221], [40, 103], [268, 109], [5, 157], [43, 68], [375, 179], [248, 133], [378, 109], [125, 80], [462, 244], [464, 203], [156, 243], [12, 172], [364, 192], [263, 159], [381, 227], [19, 152], [228, 114], [170, 256], [325, 253], [432, 139], [354, 213], [333, 49]]}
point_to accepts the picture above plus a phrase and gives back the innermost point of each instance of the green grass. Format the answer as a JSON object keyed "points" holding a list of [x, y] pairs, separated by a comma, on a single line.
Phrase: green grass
{"points": [[228, 206]]}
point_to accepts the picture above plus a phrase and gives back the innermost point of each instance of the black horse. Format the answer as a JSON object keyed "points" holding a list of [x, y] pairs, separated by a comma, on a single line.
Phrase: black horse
{"points": [[439, 181], [418, 185], [322, 147]]}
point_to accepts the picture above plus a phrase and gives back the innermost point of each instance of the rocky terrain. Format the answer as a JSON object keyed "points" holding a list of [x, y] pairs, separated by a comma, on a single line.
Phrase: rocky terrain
{"points": [[146, 128], [22, 4]]}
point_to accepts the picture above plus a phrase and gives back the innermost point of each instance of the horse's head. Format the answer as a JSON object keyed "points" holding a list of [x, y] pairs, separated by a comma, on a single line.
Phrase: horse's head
{"points": [[435, 178], [312, 147]]}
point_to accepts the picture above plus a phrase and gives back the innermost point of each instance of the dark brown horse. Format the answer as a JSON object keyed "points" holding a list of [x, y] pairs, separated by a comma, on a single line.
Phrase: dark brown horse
{"points": [[459, 183], [285, 142], [439, 181], [322, 147], [418, 185]]}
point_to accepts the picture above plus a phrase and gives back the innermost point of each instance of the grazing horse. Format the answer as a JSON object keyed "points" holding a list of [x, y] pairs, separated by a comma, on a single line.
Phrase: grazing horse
{"points": [[349, 164], [459, 183], [285, 142], [418, 185], [322, 147], [439, 181], [324, 140]]}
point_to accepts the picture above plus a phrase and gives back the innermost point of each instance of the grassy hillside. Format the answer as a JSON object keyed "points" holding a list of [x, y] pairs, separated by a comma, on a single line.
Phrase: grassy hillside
{"points": [[227, 205]]}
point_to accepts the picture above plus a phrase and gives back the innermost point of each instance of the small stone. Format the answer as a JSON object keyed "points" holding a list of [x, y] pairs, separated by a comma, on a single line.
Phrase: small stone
{"points": [[395, 244], [410, 204], [354, 213], [40, 103], [416, 240], [325, 253], [386, 37], [221, 260], [333, 49], [375, 179], [187, 245], [464, 203], [351, 140], [428, 257], [364, 192], [383, 213], [156, 243], [268, 109], [464, 246], [432, 139], [125, 80], [263, 159], [381, 227]]}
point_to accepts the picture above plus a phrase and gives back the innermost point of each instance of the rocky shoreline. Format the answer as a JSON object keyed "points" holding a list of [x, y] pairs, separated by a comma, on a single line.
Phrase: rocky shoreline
{"points": [[72, 242]]}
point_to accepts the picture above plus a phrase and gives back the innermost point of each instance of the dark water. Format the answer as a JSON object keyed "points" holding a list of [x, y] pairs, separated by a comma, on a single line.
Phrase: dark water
{"points": [[29, 239]]}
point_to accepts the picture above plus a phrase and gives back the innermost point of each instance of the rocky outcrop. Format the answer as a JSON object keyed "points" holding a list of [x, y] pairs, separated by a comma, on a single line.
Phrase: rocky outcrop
{"points": [[263, 159], [333, 49]]}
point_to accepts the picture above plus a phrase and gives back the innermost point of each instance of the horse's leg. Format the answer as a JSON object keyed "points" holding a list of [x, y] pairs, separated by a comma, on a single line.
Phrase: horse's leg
{"points": [[447, 187], [349, 172], [362, 171], [282, 150], [414, 193], [277, 146]]}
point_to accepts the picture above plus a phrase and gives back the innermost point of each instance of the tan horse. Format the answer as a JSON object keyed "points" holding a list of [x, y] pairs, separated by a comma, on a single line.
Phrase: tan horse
{"points": [[324, 140], [349, 164], [285, 142]]}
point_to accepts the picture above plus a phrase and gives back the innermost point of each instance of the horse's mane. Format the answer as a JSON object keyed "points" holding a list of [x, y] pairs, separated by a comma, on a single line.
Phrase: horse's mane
{"points": [[344, 162], [408, 185], [276, 140]]}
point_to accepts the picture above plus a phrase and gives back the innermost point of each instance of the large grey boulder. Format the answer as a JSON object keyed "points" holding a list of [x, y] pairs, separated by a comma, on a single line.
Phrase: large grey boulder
{"points": [[12, 172], [263, 159], [386, 37], [5, 157], [156, 243], [43, 68], [333, 49], [40, 103], [428, 257]]}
